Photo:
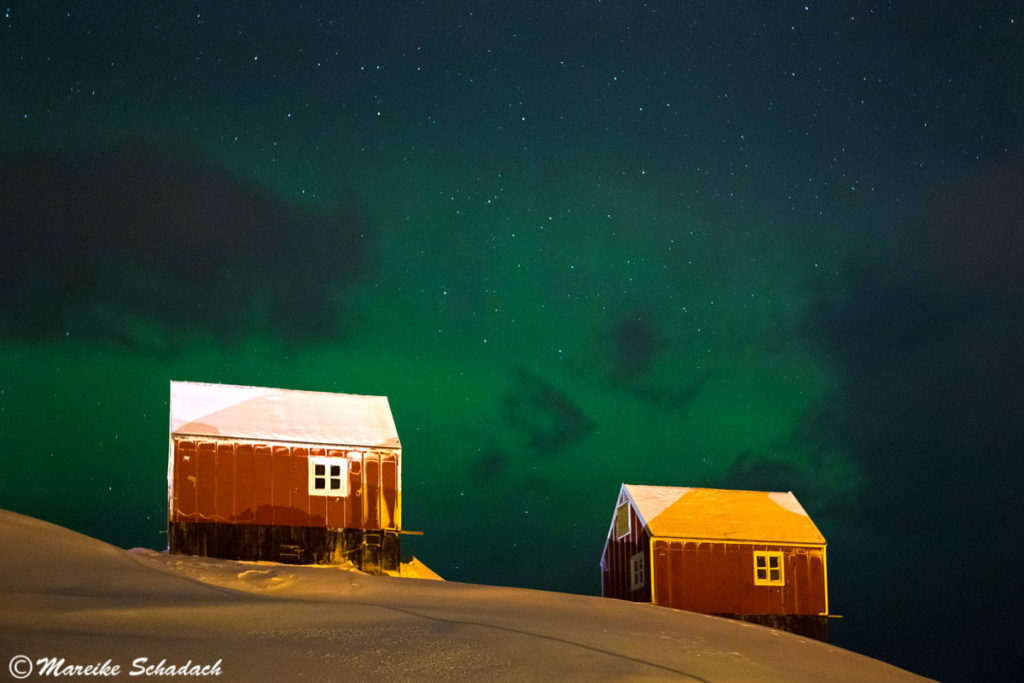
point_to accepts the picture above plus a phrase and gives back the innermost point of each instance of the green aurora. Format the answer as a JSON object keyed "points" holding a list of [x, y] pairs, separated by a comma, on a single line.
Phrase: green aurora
{"points": [[575, 244]]}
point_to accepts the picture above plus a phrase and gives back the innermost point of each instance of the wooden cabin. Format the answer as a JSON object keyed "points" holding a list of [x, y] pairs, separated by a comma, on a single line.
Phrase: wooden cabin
{"points": [[750, 555], [304, 477]]}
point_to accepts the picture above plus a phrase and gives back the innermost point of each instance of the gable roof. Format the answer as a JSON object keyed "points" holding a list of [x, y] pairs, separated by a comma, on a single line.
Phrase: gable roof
{"points": [[723, 515], [266, 414]]}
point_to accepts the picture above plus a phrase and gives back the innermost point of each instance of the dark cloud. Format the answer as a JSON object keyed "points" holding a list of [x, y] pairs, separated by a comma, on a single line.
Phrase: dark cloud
{"points": [[971, 242], [753, 472], [635, 355], [808, 463], [490, 466], [135, 246], [545, 414], [927, 347], [635, 342]]}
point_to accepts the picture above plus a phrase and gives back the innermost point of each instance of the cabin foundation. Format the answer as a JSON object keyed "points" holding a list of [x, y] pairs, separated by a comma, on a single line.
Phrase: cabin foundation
{"points": [[807, 625], [373, 552]]}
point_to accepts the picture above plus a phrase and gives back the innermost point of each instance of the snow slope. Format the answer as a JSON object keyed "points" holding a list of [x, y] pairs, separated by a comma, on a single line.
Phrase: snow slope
{"points": [[64, 595]]}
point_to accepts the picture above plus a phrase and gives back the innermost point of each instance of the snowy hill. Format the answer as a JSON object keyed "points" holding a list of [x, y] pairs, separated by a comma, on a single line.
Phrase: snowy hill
{"points": [[67, 596]]}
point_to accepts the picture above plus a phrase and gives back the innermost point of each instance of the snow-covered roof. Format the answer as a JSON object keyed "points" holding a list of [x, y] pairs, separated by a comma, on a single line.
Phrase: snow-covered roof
{"points": [[261, 413], [722, 514]]}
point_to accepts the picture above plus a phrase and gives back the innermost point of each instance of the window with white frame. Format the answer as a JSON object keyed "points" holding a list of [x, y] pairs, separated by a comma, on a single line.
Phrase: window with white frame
{"points": [[638, 571], [328, 476], [768, 568]]}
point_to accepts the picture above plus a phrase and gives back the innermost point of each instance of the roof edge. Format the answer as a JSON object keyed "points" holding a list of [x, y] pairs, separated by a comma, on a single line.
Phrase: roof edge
{"points": [[226, 437], [742, 541]]}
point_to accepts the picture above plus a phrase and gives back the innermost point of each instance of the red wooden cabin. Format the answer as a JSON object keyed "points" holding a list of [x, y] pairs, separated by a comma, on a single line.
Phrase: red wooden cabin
{"points": [[306, 477], [750, 555]]}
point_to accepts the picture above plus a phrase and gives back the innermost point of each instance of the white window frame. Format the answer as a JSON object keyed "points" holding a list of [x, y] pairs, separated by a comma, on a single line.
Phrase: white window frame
{"points": [[335, 482], [637, 571], [764, 566]]}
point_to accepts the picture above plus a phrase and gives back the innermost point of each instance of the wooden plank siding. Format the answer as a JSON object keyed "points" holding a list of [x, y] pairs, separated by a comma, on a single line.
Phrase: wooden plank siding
{"points": [[616, 563], [233, 482], [718, 578]]}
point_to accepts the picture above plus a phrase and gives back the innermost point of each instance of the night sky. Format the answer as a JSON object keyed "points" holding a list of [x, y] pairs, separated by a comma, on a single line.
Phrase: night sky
{"points": [[767, 245]]}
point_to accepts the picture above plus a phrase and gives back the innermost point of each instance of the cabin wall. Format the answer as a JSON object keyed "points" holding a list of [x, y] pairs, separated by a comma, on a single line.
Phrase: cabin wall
{"points": [[718, 578], [617, 562], [248, 483]]}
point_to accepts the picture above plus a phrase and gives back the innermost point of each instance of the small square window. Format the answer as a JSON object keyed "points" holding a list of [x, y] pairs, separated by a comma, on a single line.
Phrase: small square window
{"points": [[326, 476], [768, 568]]}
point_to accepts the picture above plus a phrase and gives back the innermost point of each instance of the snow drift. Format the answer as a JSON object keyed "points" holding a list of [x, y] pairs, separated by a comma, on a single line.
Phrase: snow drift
{"points": [[65, 596]]}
